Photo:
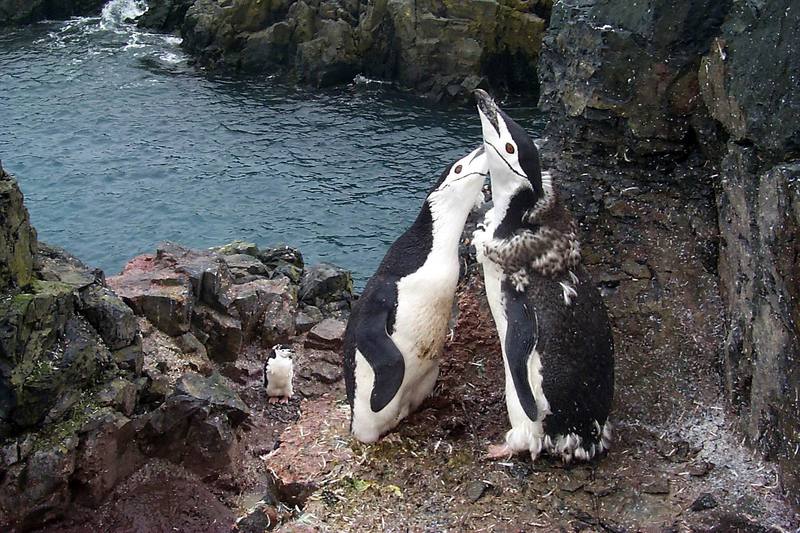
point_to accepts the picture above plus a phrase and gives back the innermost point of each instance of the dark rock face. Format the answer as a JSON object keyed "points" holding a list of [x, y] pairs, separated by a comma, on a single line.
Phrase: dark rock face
{"points": [[691, 77], [625, 74], [17, 238], [27, 11], [324, 283], [443, 50], [757, 100], [759, 213]]}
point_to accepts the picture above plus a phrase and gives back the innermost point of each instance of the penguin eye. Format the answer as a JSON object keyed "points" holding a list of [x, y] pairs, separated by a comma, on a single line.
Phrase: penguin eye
{"points": [[457, 169], [509, 148]]}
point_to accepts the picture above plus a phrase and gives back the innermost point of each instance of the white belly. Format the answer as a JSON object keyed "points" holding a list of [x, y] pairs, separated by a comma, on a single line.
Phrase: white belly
{"points": [[424, 304], [525, 434]]}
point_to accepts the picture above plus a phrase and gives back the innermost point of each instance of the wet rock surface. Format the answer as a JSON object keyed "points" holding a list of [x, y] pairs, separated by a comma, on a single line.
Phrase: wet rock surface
{"points": [[439, 49], [14, 12]]}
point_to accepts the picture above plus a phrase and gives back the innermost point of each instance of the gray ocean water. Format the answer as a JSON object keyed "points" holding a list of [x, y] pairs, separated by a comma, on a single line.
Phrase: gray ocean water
{"points": [[119, 143]]}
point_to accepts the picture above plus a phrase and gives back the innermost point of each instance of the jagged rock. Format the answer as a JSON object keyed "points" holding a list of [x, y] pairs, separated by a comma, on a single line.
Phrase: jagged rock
{"points": [[119, 394], [209, 275], [164, 15], [242, 265], [325, 283], [17, 237], [214, 393], [28, 11], [220, 333], [194, 425], [114, 321], [251, 300], [238, 248], [756, 100], [130, 358], [154, 290], [278, 324], [284, 261], [327, 335], [106, 455], [330, 58], [759, 217], [46, 349], [190, 344], [37, 490], [643, 103], [308, 317], [56, 264]]}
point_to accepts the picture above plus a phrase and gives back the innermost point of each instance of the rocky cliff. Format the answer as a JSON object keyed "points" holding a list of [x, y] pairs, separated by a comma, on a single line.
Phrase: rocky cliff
{"points": [[694, 84], [27, 11], [100, 378], [437, 48]]}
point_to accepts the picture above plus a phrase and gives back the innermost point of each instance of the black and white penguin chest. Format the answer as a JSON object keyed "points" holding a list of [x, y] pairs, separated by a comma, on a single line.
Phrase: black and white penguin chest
{"points": [[397, 331]]}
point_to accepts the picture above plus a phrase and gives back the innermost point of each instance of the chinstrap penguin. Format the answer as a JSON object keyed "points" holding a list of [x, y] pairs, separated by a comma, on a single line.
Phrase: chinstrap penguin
{"points": [[278, 374], [397, 329], [553, 325]]}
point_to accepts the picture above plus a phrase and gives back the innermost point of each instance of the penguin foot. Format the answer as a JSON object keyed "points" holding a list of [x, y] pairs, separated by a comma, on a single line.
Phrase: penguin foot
{"points": [[499, 451], [273, 399], [285, 399]]}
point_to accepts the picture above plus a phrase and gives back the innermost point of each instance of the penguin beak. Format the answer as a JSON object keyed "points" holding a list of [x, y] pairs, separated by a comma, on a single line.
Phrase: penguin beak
{"points": [[487, 109]]}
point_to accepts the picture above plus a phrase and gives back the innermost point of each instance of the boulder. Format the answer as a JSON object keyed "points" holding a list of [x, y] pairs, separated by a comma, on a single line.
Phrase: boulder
{"points": [[238, 248], [17, 237], [307, 317], [327, 335], [325, 283], [45, 350], [220, 333], [156, 291], [164, 15], [194, 426], [252, 301], [37, 490], [278, 324], [244, 266], [283, 261], [114, 321], [207, 272], [56, 264]]}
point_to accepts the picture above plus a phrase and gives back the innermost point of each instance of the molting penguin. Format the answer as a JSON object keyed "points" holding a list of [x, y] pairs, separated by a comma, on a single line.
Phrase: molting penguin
{"points": [[553, 326], [278, 374], [398, 326]]}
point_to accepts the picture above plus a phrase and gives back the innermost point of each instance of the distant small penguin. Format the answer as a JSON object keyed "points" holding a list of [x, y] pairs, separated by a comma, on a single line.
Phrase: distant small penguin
{"points": [[553, 325], [278, 374], [398, 326]]}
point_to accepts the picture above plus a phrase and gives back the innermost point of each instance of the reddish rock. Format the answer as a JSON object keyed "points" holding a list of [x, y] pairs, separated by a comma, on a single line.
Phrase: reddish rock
{"points": [[157, 292], [327, 335], [220, 333]]}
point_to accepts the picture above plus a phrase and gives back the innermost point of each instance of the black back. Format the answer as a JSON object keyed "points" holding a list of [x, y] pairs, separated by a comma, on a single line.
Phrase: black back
{"points": [[378, 303], [576, 348]]}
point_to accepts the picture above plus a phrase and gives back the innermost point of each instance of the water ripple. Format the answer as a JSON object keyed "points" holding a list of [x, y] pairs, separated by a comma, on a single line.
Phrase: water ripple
{"points": [[119, 143]]}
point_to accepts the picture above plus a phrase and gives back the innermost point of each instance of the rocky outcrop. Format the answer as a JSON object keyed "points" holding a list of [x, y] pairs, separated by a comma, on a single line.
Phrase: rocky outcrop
{"points": [[17, 237], [232, 296], [27, 11], [690, 78], [625, 76], [443, 50]]}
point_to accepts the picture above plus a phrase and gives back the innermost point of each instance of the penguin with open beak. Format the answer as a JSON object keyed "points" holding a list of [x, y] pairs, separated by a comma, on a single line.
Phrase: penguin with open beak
{"points": [[553, 326]]}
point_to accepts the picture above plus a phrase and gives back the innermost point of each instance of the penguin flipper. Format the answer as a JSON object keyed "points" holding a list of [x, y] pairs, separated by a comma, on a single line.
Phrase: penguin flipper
{"points": [[380, 351], [520, 341]]}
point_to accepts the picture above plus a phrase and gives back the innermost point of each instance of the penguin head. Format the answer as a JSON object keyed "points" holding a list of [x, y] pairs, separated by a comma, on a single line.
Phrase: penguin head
{"points": [[460, 184], [512, 155]]}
